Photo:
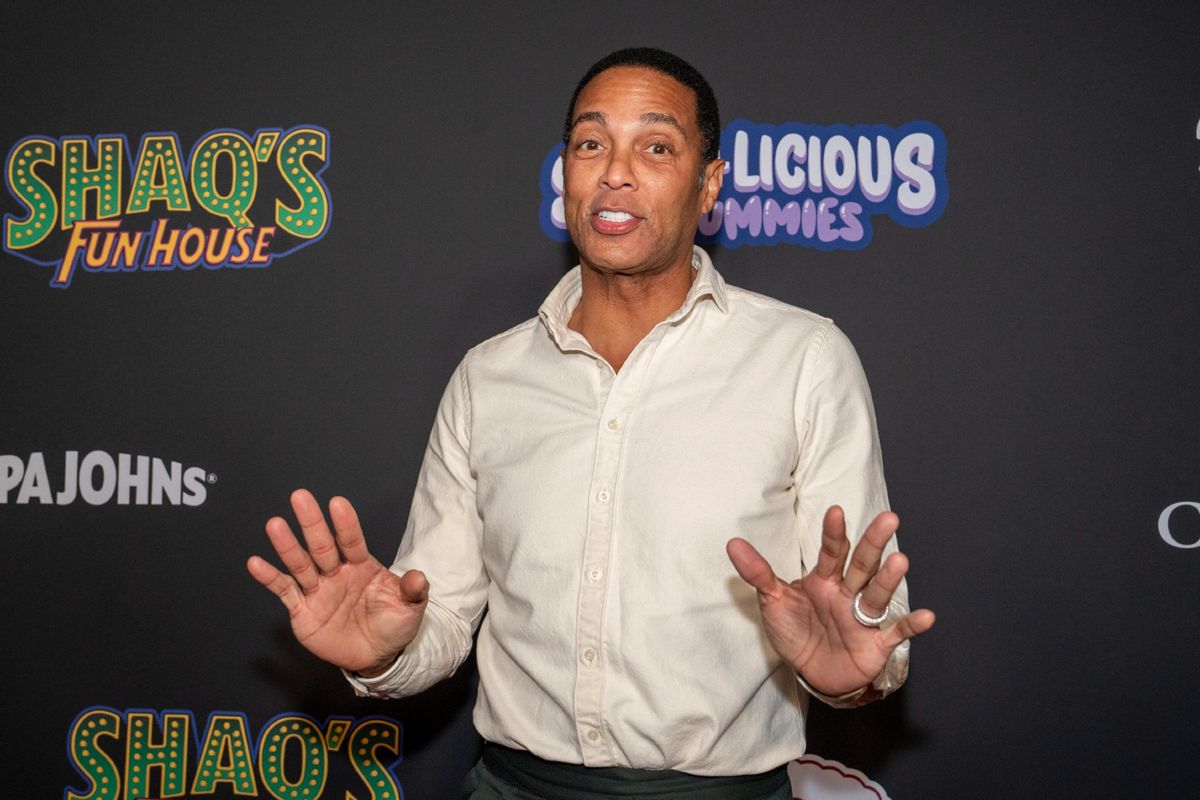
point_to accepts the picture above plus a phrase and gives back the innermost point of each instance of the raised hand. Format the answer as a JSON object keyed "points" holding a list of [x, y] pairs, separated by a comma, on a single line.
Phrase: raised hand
{"points": [[810, 622], [345, 606]]}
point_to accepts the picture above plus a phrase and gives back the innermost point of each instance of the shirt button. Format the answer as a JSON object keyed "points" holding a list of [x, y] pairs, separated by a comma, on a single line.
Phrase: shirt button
{"points": [[589, 656], [595, 574], [600, 363], [593, 735], [613, 424], [603, 496]]}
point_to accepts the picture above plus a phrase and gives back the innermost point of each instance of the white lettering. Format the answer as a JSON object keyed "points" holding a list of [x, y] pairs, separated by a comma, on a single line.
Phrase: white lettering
{"points": [[766, 152], [875, 183], [194, 486], [840, 169], [743, 181], [100, 478], [70, 473], [36, 482], [1164, 525], [790, 149], [170, 483], [127, 479], [814, 164], [914, 163], [11, 470], [87, 475]]}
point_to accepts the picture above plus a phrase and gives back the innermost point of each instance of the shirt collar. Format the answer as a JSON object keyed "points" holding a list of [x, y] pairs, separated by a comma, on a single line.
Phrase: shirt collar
{"points": [[556, 311]]}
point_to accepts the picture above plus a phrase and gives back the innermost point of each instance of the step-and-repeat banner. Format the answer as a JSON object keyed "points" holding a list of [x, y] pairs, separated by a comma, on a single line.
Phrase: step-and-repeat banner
{"points": [[244, 246]]}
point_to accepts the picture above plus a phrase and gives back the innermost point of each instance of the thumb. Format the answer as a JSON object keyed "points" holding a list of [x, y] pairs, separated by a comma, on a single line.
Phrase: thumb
{"points": [[752, 567], [414, 586]]}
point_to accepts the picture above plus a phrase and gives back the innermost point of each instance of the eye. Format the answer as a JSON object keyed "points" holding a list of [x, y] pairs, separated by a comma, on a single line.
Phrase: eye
{"points": [[660, 149], [588, 145]]}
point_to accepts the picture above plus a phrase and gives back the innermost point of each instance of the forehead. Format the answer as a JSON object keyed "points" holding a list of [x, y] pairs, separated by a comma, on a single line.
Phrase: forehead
{"points": [[635, 92]]}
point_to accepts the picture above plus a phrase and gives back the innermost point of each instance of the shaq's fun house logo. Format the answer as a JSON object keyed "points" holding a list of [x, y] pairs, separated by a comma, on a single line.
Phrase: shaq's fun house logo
{"points": [[812, 185], [235, 201], [137, 753], [97, 478]]}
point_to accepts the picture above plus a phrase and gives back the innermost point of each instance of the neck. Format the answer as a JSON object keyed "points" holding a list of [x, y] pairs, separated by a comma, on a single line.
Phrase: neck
{"points": [[616, 311]]}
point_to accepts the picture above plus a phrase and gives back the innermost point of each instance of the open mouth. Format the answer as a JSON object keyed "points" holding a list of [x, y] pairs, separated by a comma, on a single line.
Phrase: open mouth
{"points": [[615, 216], [612, 222]]}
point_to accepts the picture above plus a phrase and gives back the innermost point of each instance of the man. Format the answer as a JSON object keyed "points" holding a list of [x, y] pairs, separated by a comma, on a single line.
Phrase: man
{"points": [[585, 472]]}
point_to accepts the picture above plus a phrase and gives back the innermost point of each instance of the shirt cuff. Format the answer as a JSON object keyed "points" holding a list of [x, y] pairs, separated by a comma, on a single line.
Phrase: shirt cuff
{"points": [[377, 685], [439, 647]]}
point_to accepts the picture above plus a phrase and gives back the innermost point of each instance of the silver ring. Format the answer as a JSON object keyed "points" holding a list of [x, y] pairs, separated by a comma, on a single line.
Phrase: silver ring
{"points": [[863, 619]]}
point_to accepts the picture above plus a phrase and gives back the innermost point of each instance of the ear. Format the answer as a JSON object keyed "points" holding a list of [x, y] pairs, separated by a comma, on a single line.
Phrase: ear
{"points": [[710, 185]]}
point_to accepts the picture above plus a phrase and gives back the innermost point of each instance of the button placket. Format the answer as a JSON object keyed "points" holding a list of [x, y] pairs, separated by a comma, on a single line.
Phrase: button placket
{"points": [[617, 393], [589, 684]]}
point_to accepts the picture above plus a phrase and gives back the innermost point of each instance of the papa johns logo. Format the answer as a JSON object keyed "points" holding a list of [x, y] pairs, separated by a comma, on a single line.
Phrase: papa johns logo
{"points": [[98, 478], [210, 209], [812, 185]]}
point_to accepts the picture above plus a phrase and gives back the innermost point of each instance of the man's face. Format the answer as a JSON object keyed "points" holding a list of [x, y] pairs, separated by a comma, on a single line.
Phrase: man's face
{"points": [[631, 172]]}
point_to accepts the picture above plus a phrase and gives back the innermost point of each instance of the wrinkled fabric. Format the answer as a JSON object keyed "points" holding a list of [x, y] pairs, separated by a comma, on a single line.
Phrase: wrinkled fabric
{"points": [[587, 512]]}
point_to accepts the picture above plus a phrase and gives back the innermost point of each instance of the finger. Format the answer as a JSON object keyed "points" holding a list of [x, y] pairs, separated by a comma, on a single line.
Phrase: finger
{"points": [[879, 590], [752, 567], [321, 546], [348, 531], [831, 561], [281, 585], [864, 561], [414, 586], [910, 625], [293, 556]]}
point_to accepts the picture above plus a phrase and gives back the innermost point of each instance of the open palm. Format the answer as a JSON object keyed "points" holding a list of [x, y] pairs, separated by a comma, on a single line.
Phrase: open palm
{"points": [[345, 606], [810, 621]]}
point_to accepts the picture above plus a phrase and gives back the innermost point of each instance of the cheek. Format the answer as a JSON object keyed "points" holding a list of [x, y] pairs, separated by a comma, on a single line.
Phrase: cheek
{"points": [[577, 176]]}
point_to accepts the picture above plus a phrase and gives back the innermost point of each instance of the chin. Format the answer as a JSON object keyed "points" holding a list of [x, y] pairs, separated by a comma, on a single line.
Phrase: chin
{"points": [[614, 259]]}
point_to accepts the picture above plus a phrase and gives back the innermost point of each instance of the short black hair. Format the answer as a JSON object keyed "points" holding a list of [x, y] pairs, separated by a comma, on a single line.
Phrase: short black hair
{"points": [[671, 65]]}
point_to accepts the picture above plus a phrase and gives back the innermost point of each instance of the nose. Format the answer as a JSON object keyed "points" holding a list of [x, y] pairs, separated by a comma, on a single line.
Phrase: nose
{"points": [[618, 172]]}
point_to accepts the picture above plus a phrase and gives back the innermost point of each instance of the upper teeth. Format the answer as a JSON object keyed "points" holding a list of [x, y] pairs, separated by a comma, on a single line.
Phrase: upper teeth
{"points": [[615, 216]]}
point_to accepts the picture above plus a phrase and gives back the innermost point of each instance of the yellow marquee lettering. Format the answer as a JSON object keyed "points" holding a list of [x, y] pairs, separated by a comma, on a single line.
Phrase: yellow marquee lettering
{"points": [[89, 760], [309, 216], [84, 176], [370, 737], [34, 193], [292, 759], [158, 176], [144, 755], [225, 757], [224, 176]]}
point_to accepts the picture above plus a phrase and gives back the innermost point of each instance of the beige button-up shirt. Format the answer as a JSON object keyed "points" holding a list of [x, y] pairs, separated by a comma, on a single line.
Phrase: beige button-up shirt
{"points": [[587, 512]]}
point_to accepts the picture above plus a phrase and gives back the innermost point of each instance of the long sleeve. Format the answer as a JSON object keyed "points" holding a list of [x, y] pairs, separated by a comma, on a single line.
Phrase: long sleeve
{"points": [[589, 509], [840, 464], [443, 540]]}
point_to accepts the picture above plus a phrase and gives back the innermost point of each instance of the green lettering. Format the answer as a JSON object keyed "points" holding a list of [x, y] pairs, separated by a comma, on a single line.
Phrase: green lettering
{"points": [[82, 177], [34, 193], [309, 217], [90, 760]]}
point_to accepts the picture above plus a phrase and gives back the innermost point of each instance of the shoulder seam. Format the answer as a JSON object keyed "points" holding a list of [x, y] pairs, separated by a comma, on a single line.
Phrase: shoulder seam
{"points": [[518, 328], [762, 300]]}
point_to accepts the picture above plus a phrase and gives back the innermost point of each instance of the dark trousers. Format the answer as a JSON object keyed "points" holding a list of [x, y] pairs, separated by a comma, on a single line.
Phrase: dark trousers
{"points": [[505, 774]]}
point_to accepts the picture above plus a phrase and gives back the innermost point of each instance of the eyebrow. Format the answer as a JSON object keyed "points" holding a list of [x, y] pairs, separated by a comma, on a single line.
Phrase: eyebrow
{"points": [[652, 117], [648, 118], [590, 116]]}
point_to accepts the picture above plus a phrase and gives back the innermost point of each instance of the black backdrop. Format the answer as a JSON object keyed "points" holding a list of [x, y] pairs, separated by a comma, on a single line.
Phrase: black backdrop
{"points": [[1031, 353]]}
